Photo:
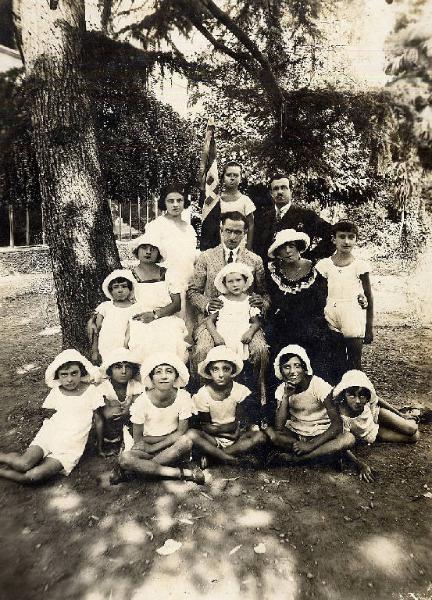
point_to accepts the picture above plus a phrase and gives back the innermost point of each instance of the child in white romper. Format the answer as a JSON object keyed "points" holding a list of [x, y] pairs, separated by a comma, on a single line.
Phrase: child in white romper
{"points": [[235, 324], [112, 316], [369, 418], [349, 307], [60, 442]]}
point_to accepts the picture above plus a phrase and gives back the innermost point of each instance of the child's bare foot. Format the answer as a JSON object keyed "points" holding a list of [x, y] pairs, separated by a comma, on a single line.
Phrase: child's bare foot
{"points": [[280, 459], [195, 475]]}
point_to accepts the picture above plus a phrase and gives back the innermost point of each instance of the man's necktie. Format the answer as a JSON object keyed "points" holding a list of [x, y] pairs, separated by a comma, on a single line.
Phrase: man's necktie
{"points": [[230, 257]]}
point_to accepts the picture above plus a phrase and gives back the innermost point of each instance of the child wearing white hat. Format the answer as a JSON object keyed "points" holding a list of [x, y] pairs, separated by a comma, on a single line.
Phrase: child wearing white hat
{"points": [[219, 404], [61, 440], [370, 418], [159, 419], [112, 316], [236, 322], [120, 386], [307, 424]]}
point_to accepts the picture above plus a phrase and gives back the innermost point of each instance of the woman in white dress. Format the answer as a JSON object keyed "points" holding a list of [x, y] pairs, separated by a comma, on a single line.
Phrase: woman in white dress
{"points": [[155, 325], [178, 239]]}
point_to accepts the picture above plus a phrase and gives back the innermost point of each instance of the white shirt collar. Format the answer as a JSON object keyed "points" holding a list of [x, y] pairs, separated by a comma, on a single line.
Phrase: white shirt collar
{"points": [[227, 251], [281, 211]]}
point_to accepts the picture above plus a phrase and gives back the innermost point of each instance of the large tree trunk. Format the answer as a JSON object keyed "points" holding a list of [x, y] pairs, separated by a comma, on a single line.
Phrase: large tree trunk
{"points": [[76, 214]]}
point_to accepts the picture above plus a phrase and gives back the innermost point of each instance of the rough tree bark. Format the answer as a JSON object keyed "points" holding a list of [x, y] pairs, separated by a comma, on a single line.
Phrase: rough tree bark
{"points": [[77, 217]]}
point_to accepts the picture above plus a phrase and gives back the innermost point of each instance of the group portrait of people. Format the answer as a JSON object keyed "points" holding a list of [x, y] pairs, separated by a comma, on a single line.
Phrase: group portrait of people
{"points": [[248, 353]]}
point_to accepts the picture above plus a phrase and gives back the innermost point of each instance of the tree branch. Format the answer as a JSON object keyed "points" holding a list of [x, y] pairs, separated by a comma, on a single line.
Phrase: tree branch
{"points": [[267, 76]]}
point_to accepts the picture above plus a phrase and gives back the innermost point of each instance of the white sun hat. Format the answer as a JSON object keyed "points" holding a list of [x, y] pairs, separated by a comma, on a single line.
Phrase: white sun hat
{"points": [[164, 358], [355, 378], [292, 349], [234, 267], [149, 239], [119, 355], [285, 236], [67, 356], [117, 273], [220, 353]]}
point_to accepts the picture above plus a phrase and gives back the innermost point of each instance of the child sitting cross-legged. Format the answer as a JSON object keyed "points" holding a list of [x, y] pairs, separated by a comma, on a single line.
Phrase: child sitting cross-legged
{"points": [[159, 419], [308, 426], [219, 406], [369, 418], [120, 386], [61, 440]]}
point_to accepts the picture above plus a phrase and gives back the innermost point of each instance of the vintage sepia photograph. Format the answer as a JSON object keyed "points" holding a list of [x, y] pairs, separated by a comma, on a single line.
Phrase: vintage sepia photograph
{"points": [[216, 299]]}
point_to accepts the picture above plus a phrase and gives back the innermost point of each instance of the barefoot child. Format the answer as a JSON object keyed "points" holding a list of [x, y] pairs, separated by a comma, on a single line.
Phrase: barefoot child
{"points": [[219, 404], [112, 317], [160, 421], [307, 424], [236, 322], [349, 307], [60, 442], [233, 200], [119, 388], [369, 418]]}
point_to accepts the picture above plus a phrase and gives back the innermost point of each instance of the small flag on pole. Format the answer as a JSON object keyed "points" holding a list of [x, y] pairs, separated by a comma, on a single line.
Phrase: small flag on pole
{"points": [[209, 185]]}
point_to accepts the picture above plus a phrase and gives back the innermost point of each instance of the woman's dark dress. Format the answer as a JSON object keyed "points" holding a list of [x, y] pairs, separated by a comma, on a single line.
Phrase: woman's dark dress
{"points": [[296, 316]]}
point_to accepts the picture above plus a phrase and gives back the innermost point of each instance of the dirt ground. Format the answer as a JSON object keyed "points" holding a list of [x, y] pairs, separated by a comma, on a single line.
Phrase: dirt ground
{"points": [[324, 534]]}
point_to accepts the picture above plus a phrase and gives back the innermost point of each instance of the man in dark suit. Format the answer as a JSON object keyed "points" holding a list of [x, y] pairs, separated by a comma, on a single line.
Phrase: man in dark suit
{"points": [[286, 215]]}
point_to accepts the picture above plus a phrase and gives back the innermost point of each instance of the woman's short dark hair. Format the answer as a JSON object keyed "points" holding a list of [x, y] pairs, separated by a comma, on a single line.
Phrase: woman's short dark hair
{"points": [[66, 365], [119, 280], [299, 244], [234, 215], [134, 366], [286, 357], [175, 187], [347, 226], [207, 369]]}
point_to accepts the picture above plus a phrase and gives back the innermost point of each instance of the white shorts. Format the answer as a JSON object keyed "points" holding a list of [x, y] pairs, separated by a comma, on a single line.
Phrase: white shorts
{"points": [[346, 317], [222, 442]]}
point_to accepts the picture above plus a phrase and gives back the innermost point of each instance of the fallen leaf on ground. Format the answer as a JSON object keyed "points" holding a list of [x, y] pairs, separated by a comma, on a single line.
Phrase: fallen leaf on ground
{"points": [[260, 549], [170, 546], [234, 550]]}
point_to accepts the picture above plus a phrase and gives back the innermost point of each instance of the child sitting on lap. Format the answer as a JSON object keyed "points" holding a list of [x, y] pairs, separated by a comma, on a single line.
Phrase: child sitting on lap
{"points": [[308, 425], [218, 403], [160, 421], [369, 418], [60, 442], [119, 389]]}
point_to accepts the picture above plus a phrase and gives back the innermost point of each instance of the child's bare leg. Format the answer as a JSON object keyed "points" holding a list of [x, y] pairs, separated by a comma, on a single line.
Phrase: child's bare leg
{"points": [[172, 455], [45, 470], [132, 463], [281, 439], [246, 442], [354, 348], [22, 462], [207, 444], [339, 444], [393, 428]]}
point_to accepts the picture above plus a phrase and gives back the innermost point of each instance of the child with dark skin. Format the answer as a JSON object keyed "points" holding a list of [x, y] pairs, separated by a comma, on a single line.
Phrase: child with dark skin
{"points": [[119, 389], [219, 409]]}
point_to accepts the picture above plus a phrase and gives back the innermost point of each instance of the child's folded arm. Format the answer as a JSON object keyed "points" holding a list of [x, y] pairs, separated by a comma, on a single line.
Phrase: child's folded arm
{"points": [[335, 428], [383, 404], [161, 442]]}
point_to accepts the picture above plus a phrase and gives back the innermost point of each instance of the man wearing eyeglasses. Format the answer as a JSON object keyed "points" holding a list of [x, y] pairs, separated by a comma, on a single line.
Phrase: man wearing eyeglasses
{"points": [[203, 295]]}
